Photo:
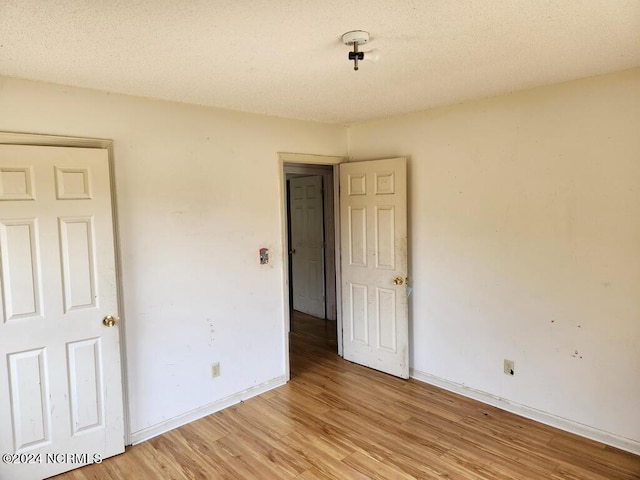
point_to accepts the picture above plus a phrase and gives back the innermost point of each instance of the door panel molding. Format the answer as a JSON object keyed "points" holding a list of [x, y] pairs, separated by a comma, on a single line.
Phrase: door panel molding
{"points": [[94, 380], [307, 251], [44, 140], [373, 213]]}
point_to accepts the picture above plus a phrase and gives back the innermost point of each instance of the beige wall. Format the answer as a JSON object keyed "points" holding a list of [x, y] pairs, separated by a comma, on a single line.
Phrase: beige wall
{"points": [[198, 195], [525, 245]]}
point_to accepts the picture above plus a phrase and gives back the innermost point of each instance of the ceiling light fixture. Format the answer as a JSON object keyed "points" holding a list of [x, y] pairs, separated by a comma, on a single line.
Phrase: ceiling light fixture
{"points": [[357, 38]]}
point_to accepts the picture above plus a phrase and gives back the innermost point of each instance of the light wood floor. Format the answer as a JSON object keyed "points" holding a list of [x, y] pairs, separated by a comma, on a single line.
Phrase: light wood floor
{"points": [[336, 420]]}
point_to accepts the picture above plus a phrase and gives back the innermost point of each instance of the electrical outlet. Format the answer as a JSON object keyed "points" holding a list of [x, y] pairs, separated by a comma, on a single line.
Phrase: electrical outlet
{"points": [[509, 367], [215, 370]]}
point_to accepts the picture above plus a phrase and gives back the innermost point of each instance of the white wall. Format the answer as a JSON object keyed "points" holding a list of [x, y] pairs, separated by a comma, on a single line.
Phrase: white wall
{"points": [[524, 235], [198, 194], [525, 244]]}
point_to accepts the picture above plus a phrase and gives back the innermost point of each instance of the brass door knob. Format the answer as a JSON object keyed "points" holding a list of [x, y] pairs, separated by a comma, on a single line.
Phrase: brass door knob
{"points": [[108, 321], [398, 281]]}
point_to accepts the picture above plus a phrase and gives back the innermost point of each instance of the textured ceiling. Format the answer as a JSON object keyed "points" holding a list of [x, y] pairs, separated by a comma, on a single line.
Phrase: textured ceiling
{"points": [[285, 57]]}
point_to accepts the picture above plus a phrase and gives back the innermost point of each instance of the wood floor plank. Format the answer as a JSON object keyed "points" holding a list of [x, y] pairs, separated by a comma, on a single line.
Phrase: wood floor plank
{"points": [[593, 456], [270, 462], [316, 447], [313, 474], [339, 421], [375, 469], [574, 472]]}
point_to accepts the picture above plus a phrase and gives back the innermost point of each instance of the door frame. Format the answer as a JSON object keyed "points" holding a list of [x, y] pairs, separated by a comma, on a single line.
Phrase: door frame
{"points": [[328, 224], [33, 139], [310, 160]]}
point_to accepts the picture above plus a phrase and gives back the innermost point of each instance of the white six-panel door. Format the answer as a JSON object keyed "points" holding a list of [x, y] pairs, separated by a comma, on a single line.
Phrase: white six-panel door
{"points": [[373, 217], [60, 378], [307, 245]]}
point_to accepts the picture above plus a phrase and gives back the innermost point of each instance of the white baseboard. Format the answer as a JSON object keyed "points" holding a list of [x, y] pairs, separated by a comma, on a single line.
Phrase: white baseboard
{"points": [[607, 438], [175, 422]]}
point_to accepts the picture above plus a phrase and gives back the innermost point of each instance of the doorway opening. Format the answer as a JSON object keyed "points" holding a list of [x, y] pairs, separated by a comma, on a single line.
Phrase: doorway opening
{"points": [[372, 267], [311, 252]]}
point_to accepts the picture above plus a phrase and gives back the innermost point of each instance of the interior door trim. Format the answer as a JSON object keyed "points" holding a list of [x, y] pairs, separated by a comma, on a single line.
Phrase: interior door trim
{"points": [[21, 138], [308, 159]]}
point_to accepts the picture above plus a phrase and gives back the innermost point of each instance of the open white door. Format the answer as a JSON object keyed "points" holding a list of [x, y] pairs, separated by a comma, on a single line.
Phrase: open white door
{"points": [[373, 218], [60, 378], [307, 245]]}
